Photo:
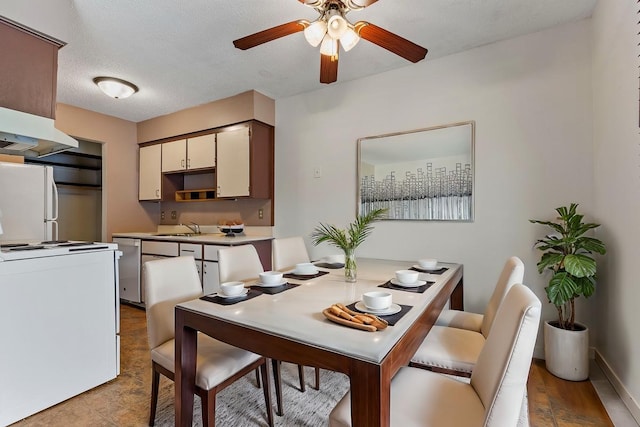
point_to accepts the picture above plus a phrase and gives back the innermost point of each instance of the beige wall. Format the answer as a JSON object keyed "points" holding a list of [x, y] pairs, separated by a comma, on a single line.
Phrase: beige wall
{"points": [[121, 209], [617, 196], [238, 108]]}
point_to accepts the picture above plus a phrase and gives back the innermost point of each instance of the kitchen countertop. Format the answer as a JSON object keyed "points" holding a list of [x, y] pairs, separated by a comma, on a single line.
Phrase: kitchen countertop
{"points": [[213, 238], [210, 234]]}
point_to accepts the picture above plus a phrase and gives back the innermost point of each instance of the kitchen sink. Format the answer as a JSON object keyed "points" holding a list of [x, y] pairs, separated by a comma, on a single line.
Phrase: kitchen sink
{"points": [[176, 234]]}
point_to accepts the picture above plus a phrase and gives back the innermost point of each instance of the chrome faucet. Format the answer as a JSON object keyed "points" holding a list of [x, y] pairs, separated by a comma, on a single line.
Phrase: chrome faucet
{"points": [[195, 227]]}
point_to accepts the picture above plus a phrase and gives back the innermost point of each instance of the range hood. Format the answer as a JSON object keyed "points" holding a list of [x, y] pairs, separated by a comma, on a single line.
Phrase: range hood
{"points": [[30, 135]]}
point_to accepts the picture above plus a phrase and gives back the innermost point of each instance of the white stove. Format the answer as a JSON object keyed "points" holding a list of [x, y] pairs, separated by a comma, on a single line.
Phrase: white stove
{"points": [[30, 250], [63, 296]]}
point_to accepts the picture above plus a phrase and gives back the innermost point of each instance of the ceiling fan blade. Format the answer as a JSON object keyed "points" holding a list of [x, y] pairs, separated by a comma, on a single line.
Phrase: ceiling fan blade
{"points": [[390, 41], [270, 34], [328, 68]]}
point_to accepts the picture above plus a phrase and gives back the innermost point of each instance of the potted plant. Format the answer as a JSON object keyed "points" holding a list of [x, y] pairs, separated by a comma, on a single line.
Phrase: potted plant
{"points": [[348, 240], [568, 254]]}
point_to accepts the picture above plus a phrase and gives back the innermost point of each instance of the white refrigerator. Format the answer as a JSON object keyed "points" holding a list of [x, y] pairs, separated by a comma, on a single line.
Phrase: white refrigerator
{"points": [[28, 203]]}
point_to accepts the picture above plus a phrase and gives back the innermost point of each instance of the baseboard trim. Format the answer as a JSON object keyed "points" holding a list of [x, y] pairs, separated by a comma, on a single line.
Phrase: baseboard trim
{"points": [[618, 386]]}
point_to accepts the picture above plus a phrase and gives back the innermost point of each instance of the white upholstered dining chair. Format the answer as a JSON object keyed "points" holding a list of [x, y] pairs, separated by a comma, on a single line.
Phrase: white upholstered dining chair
{"points": [[169, 282], [512, 272], [286, 253], [243, 263], [498, 383], [454, 350]]}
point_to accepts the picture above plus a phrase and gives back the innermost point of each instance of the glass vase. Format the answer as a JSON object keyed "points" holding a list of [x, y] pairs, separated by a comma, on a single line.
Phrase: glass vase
{"points": [[350, 266]]}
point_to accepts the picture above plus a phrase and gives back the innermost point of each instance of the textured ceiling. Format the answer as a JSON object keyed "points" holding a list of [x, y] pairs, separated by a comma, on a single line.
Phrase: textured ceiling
{"points": [[180, 53]]}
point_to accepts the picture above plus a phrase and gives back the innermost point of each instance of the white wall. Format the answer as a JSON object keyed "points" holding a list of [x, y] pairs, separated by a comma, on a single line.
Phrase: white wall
{"points": [[531, 99], [617, 193]]}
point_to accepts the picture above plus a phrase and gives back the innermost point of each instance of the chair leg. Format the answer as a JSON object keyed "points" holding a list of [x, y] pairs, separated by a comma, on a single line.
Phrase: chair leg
{"points": [[208, 403], [155, 383], [317, 387], [264, 369], [258, 377], [277, 379], [301, 376]]}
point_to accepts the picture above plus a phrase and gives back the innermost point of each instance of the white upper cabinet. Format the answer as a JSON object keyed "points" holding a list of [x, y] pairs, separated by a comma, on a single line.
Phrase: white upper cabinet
{"points": [[150, 177], [233, 163], [193, 153], [201, 152], [174, 156]]}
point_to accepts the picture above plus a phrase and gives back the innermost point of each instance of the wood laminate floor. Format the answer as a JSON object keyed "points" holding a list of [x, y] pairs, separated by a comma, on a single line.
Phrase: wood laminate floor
{"points": [[552, 401]]}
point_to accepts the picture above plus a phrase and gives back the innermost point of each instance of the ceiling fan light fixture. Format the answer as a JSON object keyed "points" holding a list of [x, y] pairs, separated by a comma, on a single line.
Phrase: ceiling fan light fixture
{"points": [[115, 88], [329, 46], [336, 25], [315, 32], [349, 39]]}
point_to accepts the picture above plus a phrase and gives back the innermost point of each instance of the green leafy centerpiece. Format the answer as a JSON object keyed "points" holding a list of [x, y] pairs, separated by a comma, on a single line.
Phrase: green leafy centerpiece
{"points": [[348, 240]]}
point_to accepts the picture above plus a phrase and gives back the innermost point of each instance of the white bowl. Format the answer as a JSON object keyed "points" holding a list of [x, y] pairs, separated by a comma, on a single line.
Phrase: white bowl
{"points": [[270, 277], [334, 259], [407, 276], [305, 268], [428, 263], [377, 300], [231, 289]]}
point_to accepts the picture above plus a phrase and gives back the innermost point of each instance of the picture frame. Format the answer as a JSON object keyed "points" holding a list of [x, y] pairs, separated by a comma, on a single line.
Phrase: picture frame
{"points": [[424, 174]]}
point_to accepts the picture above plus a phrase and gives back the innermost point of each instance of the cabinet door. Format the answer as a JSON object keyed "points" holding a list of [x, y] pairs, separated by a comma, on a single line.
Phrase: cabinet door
{"points": [[174, 156], [210, 277], [201, 152], [150, 175], [233, 163]]}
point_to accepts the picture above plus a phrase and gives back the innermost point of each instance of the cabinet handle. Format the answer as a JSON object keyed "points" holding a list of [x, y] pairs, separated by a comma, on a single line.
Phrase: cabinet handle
{"points": [[182, 163], [157, 193], [188, 163]]}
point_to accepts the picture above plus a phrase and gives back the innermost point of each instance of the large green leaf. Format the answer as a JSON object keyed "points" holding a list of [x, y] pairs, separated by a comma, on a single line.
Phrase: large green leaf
{"points": [[549, 260], [580, 265], [562, 288], [591, 244], [586, 286]]}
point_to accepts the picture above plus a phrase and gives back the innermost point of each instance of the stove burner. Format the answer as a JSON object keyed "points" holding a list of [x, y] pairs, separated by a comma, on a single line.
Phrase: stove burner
{"points": [[53, 242], [25, 248], [62, 245], [12, 245]]}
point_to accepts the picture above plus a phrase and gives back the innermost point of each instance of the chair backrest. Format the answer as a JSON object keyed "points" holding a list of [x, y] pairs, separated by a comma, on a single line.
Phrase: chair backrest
{"points": [[168, 282], [288, 251], [500, 375], [512, 273], [238, 263]]}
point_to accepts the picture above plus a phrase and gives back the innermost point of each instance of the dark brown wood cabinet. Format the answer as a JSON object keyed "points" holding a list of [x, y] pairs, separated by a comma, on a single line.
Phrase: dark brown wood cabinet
{"points": [[28, 75]]}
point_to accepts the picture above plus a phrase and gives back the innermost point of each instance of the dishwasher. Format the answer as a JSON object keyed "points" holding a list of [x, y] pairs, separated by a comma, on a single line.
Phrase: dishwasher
{"points": [[129, 269]]}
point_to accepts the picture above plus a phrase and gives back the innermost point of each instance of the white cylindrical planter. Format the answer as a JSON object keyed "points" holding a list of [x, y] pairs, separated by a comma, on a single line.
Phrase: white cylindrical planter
{"points": [[566, 352]]}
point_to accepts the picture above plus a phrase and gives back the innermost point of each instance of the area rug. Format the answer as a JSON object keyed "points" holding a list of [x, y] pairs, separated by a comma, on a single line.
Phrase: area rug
{"points": [[242, 403]]}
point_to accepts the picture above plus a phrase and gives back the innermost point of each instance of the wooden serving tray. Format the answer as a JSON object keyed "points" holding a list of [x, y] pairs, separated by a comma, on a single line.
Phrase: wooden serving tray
{"points": [[329, 315]]}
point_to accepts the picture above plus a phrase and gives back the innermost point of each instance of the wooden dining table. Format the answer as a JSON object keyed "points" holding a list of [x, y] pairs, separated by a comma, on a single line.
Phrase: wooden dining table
{"points": [[289, 326]]}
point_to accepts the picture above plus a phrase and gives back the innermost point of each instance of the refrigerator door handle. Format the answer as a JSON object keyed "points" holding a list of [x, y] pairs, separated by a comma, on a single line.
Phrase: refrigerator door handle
{"points": [[54, 230], [54, 217]]}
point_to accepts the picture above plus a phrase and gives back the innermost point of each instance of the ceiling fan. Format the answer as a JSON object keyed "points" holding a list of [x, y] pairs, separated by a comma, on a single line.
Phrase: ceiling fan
{"points": [[332, 30]]}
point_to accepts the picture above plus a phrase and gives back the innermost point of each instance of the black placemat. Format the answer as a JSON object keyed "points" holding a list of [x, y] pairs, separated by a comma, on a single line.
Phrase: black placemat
{"points": [[230, 301], [272, 290], [305, 276], [330, 265], [416, 289], [438, 271], [391, 319]]}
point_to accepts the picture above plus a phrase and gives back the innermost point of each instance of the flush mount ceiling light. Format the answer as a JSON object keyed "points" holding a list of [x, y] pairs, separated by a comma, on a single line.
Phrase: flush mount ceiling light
{"points": [[332, 30], [115, 88]]}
